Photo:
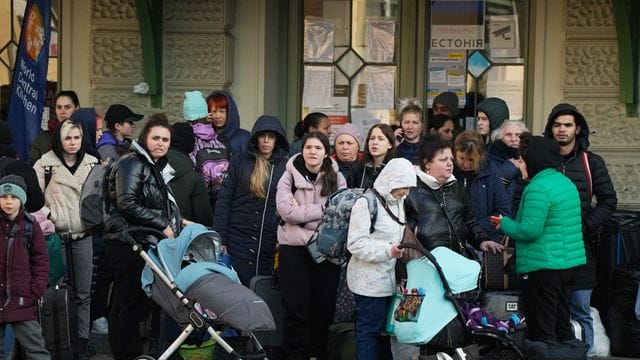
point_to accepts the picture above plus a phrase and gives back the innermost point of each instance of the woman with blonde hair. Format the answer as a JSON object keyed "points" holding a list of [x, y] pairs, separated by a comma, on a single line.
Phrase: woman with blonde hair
{"points": [[246, 207], [61, 173], [485, 191], [409, 134]]}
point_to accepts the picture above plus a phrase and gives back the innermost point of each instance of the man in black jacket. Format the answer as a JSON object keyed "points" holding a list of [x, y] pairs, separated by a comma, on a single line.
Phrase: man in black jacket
{"points": [[589, 173]]}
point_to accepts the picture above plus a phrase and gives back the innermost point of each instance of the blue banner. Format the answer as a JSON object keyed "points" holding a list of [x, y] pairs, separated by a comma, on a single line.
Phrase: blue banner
{"points": [[26, 98]]}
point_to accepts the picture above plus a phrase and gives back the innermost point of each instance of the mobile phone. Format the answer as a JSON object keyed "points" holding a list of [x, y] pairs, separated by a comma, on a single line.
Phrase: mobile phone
{"points": [[399, 137], [495, 220]]}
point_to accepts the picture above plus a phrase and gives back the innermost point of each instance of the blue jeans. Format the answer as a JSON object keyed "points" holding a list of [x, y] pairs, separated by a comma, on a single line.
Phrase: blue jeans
{"points": [[580, 310], [370, 320]]}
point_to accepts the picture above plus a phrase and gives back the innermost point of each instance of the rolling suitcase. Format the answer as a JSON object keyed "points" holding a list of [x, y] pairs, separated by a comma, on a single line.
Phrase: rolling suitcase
{"points": [[58, 314], [267, 288]]}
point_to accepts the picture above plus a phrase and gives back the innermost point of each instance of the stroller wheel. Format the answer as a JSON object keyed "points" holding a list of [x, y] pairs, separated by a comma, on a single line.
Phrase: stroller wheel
{"points": [[145, 357]]}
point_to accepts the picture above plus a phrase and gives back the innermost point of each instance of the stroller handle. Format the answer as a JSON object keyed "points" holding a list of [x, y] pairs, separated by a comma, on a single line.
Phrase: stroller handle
{"points": [[128, 233], [432, 259]]}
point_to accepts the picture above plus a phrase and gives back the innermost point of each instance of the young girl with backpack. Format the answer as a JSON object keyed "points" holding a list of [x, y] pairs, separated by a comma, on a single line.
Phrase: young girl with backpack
{"points": [[246, 205], [371, 269], [211, 152], [309, 289]]}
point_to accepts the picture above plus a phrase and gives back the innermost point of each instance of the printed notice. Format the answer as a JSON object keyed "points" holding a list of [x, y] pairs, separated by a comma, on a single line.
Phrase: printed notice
{"points": [[318, 86], [380, 87]]}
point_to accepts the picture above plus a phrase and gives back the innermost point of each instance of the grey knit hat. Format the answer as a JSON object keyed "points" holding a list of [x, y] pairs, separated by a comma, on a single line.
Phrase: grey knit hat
{"points": [[450, 100], [14, 185]]}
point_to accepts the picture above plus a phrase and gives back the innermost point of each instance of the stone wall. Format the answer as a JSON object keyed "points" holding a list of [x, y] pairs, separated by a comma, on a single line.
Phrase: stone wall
{"points": [[591, 82], [197, 52]]}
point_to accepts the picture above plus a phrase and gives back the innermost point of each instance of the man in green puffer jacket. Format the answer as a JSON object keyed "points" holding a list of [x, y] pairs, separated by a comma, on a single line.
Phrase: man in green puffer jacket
{"points": [[548, 236]]}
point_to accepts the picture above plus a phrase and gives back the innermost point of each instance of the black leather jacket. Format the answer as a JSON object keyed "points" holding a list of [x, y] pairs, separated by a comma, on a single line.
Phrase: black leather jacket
{"points": [[424, 214], [138, 196]]}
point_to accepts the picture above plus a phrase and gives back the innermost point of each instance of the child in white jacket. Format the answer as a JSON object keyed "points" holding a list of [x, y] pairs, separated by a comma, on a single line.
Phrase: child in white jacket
{"points": [[370, 273]]}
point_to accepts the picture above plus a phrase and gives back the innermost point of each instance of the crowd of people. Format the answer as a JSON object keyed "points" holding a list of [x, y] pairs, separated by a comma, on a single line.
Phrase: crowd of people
{"points": [[267, 197]]}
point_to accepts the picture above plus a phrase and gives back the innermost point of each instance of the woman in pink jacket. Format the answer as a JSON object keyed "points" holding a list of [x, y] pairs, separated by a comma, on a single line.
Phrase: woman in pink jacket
{"points": [[309, 289]]}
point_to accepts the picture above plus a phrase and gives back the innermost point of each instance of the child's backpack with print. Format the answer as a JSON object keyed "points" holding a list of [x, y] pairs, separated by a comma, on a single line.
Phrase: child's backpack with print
{"points": [[212, 163], [334, 227]]}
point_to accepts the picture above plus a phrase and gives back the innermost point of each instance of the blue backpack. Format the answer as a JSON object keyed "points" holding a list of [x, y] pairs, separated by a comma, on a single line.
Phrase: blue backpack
{"points": [[331, 236]]}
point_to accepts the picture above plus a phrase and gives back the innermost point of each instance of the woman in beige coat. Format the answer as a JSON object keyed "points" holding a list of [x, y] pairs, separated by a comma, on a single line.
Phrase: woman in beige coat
{"points": [[61, 173]]}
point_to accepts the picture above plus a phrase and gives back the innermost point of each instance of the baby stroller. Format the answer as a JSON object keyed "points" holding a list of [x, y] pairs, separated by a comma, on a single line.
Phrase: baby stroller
{"points": [[439, 324], [183, 277]]}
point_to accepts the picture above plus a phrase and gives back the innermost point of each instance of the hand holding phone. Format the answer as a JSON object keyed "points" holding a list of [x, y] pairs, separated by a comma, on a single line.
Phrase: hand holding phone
{"points": [[495, 220]]}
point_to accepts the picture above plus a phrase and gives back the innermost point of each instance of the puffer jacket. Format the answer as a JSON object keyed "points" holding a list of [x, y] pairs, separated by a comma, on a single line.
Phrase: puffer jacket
{"points": [[573, 167], [487, 197], [138, 194], [300, 211], [24, 269], [547, 229], [424, 214], [246, 223], [62, 194], [371, 269]]}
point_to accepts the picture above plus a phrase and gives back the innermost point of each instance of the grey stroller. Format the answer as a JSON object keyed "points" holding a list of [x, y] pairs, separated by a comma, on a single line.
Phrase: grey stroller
{"points": [[183, 277]]}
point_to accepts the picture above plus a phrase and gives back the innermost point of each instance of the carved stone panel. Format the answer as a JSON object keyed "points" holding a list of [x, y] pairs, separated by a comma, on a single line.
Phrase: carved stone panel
{"points": [[197, 58], [116, 56], [582, 14], [114, 9], [103, 98], [591, 65], [172, 104], [624, 175], [609, 125], [212, 11]]}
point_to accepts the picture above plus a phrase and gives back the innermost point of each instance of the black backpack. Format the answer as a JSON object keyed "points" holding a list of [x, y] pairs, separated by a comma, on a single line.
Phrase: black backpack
{"points": [[94, 207]]}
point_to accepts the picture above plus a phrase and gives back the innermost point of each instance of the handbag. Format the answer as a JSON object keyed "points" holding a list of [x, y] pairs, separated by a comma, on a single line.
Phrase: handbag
{"points": [[499, 270]]}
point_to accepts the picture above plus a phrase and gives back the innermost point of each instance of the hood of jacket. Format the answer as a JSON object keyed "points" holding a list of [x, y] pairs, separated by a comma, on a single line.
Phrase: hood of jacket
{"points": [[398, 173], [431, 181], [180, 162], [582, 138], [542, 153], [496, 110], [86, 117], [108, 139], [233, 117], [272, 124]]}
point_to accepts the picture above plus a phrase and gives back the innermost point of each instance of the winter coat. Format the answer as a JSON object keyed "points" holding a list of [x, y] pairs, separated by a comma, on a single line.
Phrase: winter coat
{"points": [[487, 197], [232, 132], [246, 223], [189, 189], [409, 151], [593, 217], [110, 147], [24, 270], [363, 176], [547, 229], [41, 144], [300, 211], [424, 214], [499, 164], [346, 167], [35, 198], [62, 194], [138, 194], [371, 269]]}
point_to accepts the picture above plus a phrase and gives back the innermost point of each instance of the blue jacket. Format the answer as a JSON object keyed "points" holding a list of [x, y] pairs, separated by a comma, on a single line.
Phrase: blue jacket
{"points": [[248, 224], [232, 132], [487, 197], [509, 174]]}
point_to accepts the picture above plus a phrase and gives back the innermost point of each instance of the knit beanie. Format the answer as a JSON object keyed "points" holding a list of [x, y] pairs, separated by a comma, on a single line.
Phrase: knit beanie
{"points": [[5, 133], [183, 138], [450, 100], [14, 185], [352, 130], [195, 106]]}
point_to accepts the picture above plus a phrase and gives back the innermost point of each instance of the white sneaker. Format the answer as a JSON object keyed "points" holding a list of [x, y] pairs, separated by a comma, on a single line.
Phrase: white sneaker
{"points": [[100, 326]]}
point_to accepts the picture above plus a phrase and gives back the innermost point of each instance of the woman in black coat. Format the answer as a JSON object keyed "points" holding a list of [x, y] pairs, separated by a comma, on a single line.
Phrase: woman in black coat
{"points": [[138, 196], [437, 193], [245, 214]]}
